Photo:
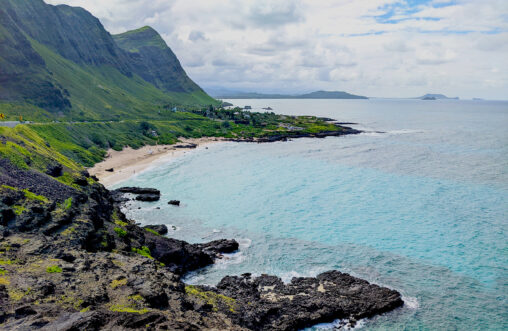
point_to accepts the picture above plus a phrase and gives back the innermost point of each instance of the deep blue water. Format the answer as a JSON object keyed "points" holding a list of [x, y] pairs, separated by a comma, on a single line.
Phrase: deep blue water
{"points": [[421, 208]]}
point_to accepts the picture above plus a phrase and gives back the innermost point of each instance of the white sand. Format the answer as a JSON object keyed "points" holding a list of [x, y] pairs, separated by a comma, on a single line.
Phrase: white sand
{"points": [[130, 162]]}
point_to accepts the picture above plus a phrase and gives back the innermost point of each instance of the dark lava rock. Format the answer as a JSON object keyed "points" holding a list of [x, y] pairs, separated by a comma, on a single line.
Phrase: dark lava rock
{"points": [[138, 190], [110, 170], [24, 311], [191, 146], [148, 197], [266, 303], [160, 229], [219, 246], [174, 202], [180, 256], [81, 181], [54, 170]]}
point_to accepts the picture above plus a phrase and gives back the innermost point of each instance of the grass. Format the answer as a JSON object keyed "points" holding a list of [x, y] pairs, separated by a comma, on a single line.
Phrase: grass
{"points": [[32, 196], [211, 298], [116, 283], [144, 251], [128, 309], [120, 232], [67, 204], [18, 210], [152, 231], [53, 269]]}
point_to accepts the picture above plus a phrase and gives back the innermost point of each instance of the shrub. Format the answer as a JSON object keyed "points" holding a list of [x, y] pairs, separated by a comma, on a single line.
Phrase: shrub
{"points": [[144, 251], [120, 232]]}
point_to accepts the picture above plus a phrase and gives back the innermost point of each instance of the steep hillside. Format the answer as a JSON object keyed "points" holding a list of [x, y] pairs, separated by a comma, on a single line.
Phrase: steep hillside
{"points": [[61, 60], [154, 61]]}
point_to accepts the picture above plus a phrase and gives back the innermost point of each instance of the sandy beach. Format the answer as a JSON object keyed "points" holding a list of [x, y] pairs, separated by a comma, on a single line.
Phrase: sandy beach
{"points": [[129, 161]]}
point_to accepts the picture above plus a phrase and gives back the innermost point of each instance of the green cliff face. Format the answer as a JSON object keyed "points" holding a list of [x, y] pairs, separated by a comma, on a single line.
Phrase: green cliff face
{"points": [[61, 60], [154, 61]]}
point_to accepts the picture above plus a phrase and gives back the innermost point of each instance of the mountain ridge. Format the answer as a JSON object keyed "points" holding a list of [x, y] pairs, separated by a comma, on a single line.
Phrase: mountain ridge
{"points": [[311, 95], [59, 61]]}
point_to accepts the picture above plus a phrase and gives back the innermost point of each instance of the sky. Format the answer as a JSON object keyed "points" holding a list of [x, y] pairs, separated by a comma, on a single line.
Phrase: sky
{"points": [[378, 48]]}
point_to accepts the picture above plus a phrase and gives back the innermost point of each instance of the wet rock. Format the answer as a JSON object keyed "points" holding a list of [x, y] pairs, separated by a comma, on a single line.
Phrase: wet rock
{"points": [[219, 246], [148, 197], [266, 303], [174, 202], [160, 229], [138, 190]]}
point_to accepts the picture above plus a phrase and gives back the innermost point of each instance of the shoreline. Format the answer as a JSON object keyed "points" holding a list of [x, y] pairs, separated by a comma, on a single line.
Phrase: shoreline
{"points": [[129, 162]]}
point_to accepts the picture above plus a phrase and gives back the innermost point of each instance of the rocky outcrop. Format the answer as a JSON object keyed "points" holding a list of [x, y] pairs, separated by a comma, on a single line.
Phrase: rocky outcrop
{"points": [[148, 197], [73, 261], [266, 303], [160, 228], [142, 194], [138, 190]]}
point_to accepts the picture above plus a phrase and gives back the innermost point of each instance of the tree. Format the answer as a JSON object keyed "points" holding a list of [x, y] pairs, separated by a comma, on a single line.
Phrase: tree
{"points": [[2, 116]]}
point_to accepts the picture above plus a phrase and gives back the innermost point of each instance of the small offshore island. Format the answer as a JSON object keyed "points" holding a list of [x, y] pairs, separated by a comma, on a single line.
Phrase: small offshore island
{"points": [[69, 257]]}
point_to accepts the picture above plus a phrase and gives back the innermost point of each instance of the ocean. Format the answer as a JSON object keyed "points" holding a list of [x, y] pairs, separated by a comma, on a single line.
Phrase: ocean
{"points": [[417, 203]]}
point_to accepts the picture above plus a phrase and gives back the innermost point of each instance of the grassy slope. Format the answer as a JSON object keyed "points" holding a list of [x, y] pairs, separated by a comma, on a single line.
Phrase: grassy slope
{"points": [[103, 93]]}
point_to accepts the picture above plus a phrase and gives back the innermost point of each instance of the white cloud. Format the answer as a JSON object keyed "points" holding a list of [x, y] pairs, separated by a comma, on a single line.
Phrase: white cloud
{"points": [[287, 45]]}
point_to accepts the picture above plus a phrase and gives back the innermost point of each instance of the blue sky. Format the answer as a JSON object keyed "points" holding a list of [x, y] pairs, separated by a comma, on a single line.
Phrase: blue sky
{"points": [[372, 47]]}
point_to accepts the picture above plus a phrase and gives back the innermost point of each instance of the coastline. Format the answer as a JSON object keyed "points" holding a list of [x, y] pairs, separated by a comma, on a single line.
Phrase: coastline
{"points": [[129, 162]]}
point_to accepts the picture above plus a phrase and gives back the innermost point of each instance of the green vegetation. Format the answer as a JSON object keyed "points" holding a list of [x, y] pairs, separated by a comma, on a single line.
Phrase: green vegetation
{"points": [[18, 210], [67, 204], [144, 251], [87, 75], [126, 308], [118, 222], [32, 196], [53, 269], [116, 283], [152, 231], [120, 232], [211, 298]]}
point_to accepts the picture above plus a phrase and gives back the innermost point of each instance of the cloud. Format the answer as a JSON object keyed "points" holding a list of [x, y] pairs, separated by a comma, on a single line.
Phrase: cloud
{"points": [[369, 47], [197, 36]]}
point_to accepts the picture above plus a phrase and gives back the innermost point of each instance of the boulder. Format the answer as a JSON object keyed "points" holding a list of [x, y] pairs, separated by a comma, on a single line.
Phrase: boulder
{"points": [[54, 170], [148, 197], [160, 228], [138, 190], [174, 202]]}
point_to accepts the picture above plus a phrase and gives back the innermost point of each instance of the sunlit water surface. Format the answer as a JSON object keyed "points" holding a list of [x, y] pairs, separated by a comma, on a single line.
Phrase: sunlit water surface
{"points": [[421, 208]]}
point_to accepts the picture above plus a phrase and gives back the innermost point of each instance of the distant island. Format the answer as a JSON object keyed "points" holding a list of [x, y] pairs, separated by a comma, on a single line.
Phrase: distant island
{"points": [[312, 95], [429, 96]]}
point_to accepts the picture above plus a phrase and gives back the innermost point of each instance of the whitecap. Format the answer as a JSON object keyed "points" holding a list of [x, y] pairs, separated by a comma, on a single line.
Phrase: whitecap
{"points": [[244, 243], [405, 131], [411, 302], [228, 259], [340, 324]]}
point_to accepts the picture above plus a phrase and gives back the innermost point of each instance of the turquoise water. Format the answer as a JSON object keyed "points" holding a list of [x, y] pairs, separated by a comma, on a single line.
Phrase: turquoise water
{"points": [[421, 208]]}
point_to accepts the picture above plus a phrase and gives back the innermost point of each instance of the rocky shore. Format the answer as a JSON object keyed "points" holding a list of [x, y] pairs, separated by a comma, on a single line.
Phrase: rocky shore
{"points": [[70, 260]]}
